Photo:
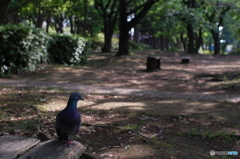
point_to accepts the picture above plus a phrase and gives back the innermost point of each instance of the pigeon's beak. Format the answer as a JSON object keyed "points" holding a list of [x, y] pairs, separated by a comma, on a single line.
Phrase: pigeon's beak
{"points": [[82, 98]]}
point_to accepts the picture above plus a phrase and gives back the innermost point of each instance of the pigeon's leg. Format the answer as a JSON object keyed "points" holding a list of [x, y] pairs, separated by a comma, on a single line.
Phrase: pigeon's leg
{"points": [[69, 142]]}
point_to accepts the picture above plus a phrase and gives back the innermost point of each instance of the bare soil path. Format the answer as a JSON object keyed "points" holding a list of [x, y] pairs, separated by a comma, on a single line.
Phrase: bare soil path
{"points": [[81, 87], [178, 112], [209, 78]]}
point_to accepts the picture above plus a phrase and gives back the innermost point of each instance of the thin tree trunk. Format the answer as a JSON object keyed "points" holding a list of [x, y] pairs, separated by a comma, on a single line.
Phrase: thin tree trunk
{"points": [[48, 20], [183, 42], [162, 42], [72, 31], [191, 45], [3, 13], [199, 40], [136, 34]]}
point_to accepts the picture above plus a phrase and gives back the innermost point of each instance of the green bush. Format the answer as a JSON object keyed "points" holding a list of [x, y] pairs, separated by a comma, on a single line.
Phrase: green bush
{"points": [[173, 49], [96, 43], [135, 46], [236, 51], [69, 50], [22, 48]]}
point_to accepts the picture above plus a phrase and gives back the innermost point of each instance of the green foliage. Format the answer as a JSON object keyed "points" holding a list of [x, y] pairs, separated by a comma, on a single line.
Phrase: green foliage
{"points": [[68, 50], [96, 43], [29, 125], [22, 48], [129, 127], [209, 134], [173, 49], [115, 42], [135, 46], [236, 51], [225, 137]]}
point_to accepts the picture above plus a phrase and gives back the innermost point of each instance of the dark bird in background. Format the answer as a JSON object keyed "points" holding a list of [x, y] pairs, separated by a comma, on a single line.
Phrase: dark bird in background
{"points": [[68, 120]]}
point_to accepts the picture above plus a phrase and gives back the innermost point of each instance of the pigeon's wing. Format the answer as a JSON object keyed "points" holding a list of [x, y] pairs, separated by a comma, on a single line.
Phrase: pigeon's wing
{"points": [[59, 130], [66, 128], [78, 125], [57, 122], [57, 126]]}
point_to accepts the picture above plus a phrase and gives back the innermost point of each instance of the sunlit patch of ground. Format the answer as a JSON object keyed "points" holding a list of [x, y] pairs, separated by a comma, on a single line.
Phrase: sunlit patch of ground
{"points": [[134, 126]]}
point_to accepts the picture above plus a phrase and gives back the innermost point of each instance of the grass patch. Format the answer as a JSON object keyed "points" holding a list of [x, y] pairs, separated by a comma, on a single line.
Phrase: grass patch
{"points": [[30, 125], [225, 137], [210, 135], [133, 128], [157, 143]]}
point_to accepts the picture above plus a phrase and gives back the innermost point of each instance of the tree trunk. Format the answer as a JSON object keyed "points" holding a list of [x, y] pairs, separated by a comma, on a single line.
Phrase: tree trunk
{"points": [[136, 34], [107, 41], [48, 20], [3, 13], [125, 25], [123, 30], [183, 42], [158, 42], [108, 33], [47, 26], [162, 42], [12, 18], [109, 14], [59, 24], [123, 42], [40, 20], [215, 35], [190, 34], [179, 44], [72, 31], [199, 40]]}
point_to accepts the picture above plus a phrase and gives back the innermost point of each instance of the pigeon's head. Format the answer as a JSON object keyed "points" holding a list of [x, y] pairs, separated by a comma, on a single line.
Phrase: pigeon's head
{"points": [[76, 96]]}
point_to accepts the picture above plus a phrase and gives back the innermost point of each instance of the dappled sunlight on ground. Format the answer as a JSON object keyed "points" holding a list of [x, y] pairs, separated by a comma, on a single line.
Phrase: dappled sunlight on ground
{"points": [[119, 120], [203, 73], [122, 105], [114, 126]]}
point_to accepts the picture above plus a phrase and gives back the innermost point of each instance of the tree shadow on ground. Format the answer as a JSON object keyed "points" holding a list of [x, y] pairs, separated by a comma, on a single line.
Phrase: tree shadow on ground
{"points": [[132, 122], [105, 70]]}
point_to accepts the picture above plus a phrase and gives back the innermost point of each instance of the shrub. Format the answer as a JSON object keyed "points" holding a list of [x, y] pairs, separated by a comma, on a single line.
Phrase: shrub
{"points": [[135, 46], [70, 50], [22, 48], [96, 43], [173, 49]]}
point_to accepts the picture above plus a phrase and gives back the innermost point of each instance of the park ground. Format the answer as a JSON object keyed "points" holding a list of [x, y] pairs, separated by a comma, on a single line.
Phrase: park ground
{"points": [[129, 126]]}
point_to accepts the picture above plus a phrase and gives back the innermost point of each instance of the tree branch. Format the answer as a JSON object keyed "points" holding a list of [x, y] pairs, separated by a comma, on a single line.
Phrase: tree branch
{"points": [[4, 2], [147, 5]]}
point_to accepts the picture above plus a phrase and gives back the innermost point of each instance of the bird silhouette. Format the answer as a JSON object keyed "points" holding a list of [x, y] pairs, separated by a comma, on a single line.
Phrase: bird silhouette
{"points": [[68, 120]]}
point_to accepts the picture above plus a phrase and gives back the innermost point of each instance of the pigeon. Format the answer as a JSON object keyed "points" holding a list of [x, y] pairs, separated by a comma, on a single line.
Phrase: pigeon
{"points": [[68, 120]]}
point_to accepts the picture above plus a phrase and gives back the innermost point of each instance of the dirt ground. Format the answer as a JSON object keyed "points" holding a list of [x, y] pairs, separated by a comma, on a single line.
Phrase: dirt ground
{"points": [[203, 73], [135, 127]]}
